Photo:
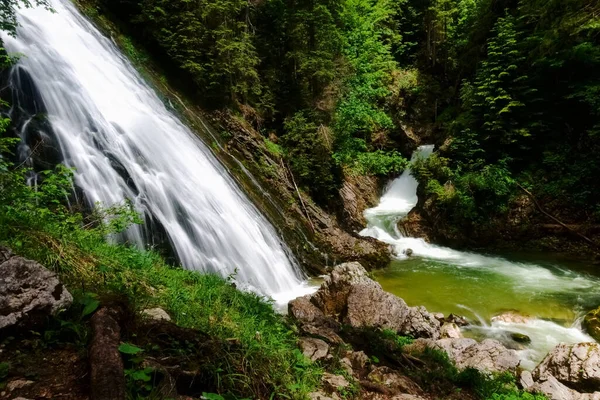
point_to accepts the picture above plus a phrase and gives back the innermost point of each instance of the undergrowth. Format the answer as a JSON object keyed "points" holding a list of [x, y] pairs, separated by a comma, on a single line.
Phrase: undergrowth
{"points": [[36, 223]]}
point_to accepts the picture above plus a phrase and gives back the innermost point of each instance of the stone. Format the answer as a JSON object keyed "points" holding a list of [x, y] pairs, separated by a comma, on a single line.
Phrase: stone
{"points": [[520, 338], [156, 314], [332, 383], [322, 396], [450, 330], [346, 365], [303, 310], [314, 349], [408, 252], [358, 359], [458, 320], [351, 296], [439, 316], [591, 323], [18, 384], [526, 380], [487, 356], [29, 293], [393, 381], [576, 366], [512, 317]]}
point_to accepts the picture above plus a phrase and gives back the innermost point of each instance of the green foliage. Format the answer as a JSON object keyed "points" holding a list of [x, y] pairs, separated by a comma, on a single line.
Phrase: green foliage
{"points": [[4, 370], [308, 156], [400, 341], [36, 223]]}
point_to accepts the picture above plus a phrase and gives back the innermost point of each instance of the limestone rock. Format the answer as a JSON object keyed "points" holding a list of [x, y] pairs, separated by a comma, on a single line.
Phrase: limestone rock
{"points": [[526, 380], [333, 383], [554, 390], [487, 356], [358, 359], [157, 314], [450, 330], [303, 310], [349, 295], [315, 349], [393, 381], [28, 292], [18, 384], [512, 317], [322, 396], [332, 296], [576, 366], [591, 323]]}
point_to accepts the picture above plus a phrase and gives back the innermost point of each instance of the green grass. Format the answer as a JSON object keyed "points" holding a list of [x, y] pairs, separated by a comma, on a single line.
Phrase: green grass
{"points": [[36, 225]]}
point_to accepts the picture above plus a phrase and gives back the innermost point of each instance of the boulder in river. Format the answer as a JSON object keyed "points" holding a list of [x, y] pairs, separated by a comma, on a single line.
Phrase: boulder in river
{"points": [[350, 297], [29, 293], [574, 365], [512, 317]]}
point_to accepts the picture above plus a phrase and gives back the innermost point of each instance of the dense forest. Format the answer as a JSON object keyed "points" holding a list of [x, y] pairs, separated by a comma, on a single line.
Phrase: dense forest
{"points": [[507, 89]]}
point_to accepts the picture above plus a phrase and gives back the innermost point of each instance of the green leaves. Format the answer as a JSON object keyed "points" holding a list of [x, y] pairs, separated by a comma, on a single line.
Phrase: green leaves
{"points": [[128, 348]]}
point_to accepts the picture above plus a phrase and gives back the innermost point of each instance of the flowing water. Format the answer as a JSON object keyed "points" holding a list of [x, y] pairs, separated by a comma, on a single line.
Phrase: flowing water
{"points": [[481, 286], [113, 129]]}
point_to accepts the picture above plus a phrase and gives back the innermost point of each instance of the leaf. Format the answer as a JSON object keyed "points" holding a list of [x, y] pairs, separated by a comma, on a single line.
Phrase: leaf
{"points": [[212, 396], [127, 348], [90, 306]]}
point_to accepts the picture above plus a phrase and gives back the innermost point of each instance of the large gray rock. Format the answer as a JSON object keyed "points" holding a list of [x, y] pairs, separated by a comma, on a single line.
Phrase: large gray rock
{"points": [[576, 366], [28, 292], [351, 297], [487, 356], [554, 390]]}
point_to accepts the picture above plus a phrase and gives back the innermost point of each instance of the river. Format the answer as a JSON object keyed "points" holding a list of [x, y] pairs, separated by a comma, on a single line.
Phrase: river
{"points": [[554, 293]]}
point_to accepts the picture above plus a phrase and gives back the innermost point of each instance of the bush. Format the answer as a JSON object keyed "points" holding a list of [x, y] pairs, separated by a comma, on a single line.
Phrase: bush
{"points": [[37, 224]]}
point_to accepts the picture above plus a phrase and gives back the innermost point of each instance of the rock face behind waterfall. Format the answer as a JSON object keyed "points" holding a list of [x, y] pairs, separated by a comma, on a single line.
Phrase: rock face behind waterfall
{"points": [[28, 292], [350, 297]]}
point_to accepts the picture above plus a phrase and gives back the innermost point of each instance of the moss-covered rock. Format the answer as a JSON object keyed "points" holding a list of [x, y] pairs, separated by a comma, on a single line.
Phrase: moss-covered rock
{"points": [[591, 323]]}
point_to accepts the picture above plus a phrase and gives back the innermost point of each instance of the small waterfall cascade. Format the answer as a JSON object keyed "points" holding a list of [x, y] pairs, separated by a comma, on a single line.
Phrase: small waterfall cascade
{"points": [[531, 280], [103, 120]]}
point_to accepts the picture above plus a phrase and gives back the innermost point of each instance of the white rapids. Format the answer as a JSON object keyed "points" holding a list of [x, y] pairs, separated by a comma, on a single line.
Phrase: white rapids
{"points": [[124, 144], [400, 198]]}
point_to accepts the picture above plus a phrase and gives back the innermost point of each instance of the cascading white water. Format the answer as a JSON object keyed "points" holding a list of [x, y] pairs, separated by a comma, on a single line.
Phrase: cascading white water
{"points": [[530, 280], [125, 144]]}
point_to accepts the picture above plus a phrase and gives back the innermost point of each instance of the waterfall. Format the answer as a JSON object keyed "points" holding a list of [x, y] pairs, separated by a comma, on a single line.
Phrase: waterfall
{"points": [[109, 125]]}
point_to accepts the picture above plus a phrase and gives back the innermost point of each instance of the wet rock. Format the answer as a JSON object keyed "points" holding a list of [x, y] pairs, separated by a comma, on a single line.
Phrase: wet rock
{"points": [[512, 317], [333, 383], [487, 356], [519, 337], [315, 349], [29, 293], [591, 323], [458, 320], [303, 310], [576, 366], [408, 252], [349, 295], [450, 330], [156, 314], [394, 381]]}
